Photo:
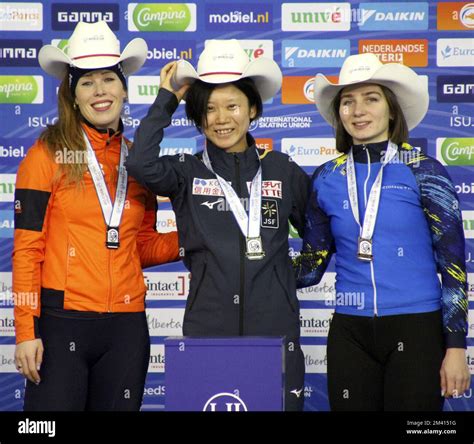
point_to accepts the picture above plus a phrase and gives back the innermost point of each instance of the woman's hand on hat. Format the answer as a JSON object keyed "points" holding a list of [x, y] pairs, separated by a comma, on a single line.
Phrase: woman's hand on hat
{"points": [[166, 80]]}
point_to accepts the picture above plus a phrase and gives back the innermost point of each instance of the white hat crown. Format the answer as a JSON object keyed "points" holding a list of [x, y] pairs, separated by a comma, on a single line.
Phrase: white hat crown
{"points": [[222, 55]]}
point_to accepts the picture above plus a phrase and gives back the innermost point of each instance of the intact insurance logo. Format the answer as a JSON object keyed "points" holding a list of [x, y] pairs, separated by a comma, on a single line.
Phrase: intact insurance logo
{"points": [[455, 16], [65, 16], [310, 151], [314, 53], [455, 151], [392, 16], [6, 223], [161, 52], [15, 52], [162, 17], [172, 286], [21, 16], [21, 89], [455, 89], [239, 16], [455, 52], [316, 16]]}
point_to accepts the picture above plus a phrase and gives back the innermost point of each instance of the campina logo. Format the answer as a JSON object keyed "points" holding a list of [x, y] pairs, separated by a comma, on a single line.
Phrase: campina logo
{"points": [[239, 16], [455, 52], [65, 16], [316, 16], [19, 52], [21, 16], [455, 151], [21, 89], [410, 52], [455, 16], [393, 16], [162, 17], [455, 89], [314, 53]]}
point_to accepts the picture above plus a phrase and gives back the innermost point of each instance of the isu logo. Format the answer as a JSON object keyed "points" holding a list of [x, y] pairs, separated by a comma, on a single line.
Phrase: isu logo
{"points": [[225, 402]]}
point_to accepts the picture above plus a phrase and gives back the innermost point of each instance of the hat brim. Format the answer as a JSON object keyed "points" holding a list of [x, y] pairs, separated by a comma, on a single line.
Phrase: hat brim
{"points": [[55, 62], [263, 71], [411, 93]]}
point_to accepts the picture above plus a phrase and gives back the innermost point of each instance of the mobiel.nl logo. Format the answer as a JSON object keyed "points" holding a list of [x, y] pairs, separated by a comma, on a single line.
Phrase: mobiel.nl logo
{"points": [[239, 17], [455, 151], [65, 16], [21, 89], [162, 17]]}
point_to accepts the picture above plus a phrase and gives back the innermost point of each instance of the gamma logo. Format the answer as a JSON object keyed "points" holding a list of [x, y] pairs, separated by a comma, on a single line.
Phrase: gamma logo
{"points": [[19, 52], [162, 17], [65, 16], [225, 402], [455, 151]]}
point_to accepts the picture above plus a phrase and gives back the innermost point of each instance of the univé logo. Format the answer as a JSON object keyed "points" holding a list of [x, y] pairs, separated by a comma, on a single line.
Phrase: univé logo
{"points": [[225, 402], [162, 17]]}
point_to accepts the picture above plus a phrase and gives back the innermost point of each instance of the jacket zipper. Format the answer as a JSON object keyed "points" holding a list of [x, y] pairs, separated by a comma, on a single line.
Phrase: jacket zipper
{"points": [[109, 252], [372, 274], [242, 253]]}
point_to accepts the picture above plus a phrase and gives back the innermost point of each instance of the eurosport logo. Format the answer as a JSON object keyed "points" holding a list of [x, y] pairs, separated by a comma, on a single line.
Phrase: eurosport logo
{"points": [[468, 224], [143, 89], [160, 52], [455, 89], [162, 17], [7, 187], [19, 52], [65, 16], [21, 16], [7, 322], [173, 146], [255, 48], [21, 89], [398, 16], [455, 16], [315, 358], [310, 151], [239, 17], [171, 286], [165, 221], [156, 364], [316, 16], [315, 322], [6, 223], [314, 53], [410, 52], [455, 52], [455, 151], [165, 321], [7, 359]]}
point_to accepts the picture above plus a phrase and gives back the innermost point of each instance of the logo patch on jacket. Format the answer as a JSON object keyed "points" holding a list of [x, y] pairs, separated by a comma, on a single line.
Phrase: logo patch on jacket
{"points": [[206, 187], [270, 217], [270, 188]]}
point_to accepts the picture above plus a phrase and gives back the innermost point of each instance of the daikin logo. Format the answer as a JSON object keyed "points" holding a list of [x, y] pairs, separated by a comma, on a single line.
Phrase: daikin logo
{"points": [[314, 53], [393, 16], [21, 89], [162, 17], [456, 152]]}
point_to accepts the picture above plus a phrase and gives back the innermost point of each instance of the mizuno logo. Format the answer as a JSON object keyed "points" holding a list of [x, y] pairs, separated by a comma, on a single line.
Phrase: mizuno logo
{"points": [[210, 205], [297, 392]]}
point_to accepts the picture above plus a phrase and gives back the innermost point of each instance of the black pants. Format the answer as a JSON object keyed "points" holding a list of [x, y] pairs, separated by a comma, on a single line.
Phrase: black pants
{"points": [[388, 363], [294, 376], [96, 364]]}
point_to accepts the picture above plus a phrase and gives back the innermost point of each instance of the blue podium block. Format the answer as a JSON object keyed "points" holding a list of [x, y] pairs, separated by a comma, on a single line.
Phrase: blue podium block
{"points": [[224, 374]]}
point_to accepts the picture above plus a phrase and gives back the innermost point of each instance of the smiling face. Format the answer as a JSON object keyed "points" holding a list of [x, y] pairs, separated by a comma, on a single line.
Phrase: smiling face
{"points": [[99, 96], [365, 113], [228, 118]]}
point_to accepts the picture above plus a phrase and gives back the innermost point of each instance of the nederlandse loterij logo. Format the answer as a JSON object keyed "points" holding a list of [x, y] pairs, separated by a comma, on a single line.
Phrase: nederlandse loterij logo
{"points": [[21, 89], [455, 151], [162, 17]]}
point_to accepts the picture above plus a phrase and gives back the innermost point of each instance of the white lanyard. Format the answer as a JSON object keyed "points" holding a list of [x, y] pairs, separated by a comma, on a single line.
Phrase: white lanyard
{"points": [[112, 214], [249, 224], [367, 229]]}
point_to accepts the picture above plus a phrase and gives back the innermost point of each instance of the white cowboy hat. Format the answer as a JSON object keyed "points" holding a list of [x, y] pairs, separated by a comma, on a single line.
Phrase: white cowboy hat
{"points": [[411, 92], [93, 46], [224, 61]]}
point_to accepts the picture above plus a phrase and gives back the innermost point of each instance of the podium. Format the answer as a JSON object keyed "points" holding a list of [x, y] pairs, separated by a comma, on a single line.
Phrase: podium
{"points": [[224, 374]]}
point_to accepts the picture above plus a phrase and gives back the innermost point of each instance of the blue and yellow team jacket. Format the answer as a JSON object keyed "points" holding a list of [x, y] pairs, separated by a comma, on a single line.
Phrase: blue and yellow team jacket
{"points": [[418, 234]]}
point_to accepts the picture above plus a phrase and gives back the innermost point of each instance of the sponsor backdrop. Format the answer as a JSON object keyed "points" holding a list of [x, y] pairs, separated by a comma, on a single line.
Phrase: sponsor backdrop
{"points": [[304, 38]]}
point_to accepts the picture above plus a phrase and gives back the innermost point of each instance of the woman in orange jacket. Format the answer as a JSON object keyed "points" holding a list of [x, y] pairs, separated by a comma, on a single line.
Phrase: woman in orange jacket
{"points": [[83, 232]]}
